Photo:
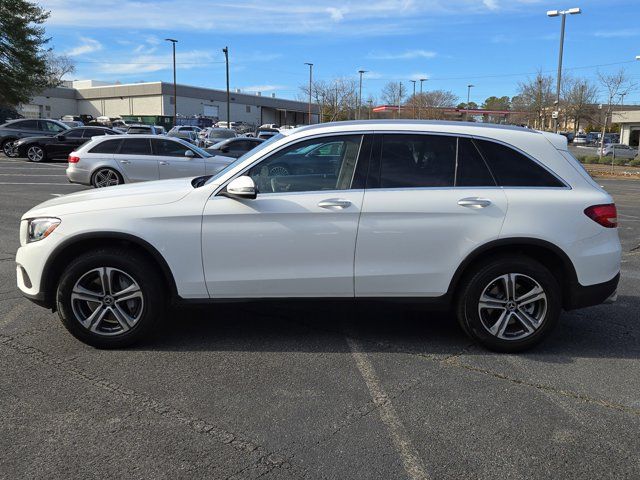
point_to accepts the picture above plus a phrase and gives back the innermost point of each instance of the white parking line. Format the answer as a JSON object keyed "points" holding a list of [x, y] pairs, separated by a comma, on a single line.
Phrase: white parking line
{"points": [[408, 454], [30, 175], [40, 183]]}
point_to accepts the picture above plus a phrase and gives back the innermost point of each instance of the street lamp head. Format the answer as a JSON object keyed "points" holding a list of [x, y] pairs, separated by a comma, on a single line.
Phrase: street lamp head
{"points": [[310, 64], [470, 85], [172, 40], [423, 79], [362, 71], [574, 11], [553, 13]]}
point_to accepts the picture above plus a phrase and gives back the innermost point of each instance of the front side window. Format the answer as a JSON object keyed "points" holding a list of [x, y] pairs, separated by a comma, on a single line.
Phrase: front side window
{"points": [[513, 169], [413, 161], [135, 146], [94, 132], [169, 148], [74, 133], [326, 163]]}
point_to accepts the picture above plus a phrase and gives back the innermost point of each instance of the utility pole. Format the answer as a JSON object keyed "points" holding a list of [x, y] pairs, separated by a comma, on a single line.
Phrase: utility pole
{"points": [[563, 15], [421, 98], [399, 99], [414, 98], [225, 50], [310, 87], [175, 88], [361, 72]]}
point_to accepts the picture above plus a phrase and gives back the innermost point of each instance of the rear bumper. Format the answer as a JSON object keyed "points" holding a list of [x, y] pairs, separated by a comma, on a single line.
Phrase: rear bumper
{"points": [[580, 296]]}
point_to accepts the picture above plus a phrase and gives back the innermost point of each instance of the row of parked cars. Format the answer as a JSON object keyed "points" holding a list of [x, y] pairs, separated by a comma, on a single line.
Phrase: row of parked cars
{"points": [[102, 156]]}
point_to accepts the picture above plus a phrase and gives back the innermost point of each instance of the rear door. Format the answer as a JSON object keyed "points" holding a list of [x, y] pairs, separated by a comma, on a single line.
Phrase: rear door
{"points": [[136, 160], [430, 200], [173, 161]]}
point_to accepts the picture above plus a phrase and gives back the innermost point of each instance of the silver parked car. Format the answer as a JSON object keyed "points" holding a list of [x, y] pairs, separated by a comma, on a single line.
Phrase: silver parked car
{"points": [[216, 135], [621, 150], [117, 159]]}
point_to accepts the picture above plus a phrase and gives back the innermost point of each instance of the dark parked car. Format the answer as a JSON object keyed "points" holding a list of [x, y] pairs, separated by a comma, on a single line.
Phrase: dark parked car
{"points": [[234, 147], [27, 127], [37, 149]]}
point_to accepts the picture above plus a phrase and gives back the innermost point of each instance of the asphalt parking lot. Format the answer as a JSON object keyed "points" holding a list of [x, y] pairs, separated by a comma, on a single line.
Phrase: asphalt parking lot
{"points": [[298, 390]]}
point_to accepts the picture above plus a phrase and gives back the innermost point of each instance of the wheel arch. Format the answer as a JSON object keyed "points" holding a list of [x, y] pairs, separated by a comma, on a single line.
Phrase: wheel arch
{"points": [[79, 244], [548, 254]]}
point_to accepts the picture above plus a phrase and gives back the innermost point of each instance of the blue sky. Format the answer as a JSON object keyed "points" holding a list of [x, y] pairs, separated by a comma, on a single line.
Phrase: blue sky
{"points": [[492, 44]]}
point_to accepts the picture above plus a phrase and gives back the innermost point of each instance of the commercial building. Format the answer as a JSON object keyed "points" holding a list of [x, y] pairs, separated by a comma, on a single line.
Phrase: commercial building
{"points": [[629, 121], [89, 97]]}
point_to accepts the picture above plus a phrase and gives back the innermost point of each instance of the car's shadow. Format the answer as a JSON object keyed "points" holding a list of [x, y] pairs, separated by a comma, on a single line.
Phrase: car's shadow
{"points": [[607, 331]]}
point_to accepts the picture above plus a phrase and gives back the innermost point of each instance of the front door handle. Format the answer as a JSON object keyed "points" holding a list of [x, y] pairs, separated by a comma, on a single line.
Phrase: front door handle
{"points": [[164, 163], [334, 203], [474, 202], [125, 162]]}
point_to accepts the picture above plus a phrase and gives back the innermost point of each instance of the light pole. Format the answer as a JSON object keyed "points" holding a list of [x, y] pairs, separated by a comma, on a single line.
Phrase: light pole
{"points": [[361, 72], [420, 104], [225, 50], [414, 98], [310, 83], [563, 14], [399, 99], [175, 89], [469, 87]]}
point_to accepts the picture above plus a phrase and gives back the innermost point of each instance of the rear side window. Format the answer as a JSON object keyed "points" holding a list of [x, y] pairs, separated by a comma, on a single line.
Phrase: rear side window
{"points": [[412, 161], [74, 133], [513, 169], [135, 146], [25, 125], [108, 146]]}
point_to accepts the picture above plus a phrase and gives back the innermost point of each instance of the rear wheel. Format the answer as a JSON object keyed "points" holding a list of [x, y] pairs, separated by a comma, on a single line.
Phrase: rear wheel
{"points": [[109, 298], [106, 177], [509, 304], [35, 153]]}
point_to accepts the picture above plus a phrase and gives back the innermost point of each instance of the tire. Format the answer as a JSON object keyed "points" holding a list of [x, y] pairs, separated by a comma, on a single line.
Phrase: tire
{"points": [[510, 322], [8, 150], [106, 177], [35, 153], [134, 301]]}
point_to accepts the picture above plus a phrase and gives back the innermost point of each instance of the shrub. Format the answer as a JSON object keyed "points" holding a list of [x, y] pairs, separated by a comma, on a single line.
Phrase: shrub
{"points": [[604, 161], [635, 162], [591, 159]]}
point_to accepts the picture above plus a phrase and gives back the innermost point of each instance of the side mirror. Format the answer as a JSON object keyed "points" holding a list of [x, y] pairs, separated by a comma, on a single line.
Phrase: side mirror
{"points": [[241, 187], [188, 153]]}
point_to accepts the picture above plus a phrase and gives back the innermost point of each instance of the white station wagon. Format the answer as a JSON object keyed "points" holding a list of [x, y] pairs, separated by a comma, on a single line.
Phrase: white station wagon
{"points": [[499, 223]]}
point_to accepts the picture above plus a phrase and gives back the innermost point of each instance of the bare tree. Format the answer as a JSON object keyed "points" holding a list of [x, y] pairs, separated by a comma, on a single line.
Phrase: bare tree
{"points": [[391, 93], [338, 99], [535, 95], [613, 84], [579, 97], [431, 103], [57, 67]]}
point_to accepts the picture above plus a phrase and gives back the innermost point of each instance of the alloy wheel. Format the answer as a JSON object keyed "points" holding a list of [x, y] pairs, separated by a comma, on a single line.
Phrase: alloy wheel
{"points": [[107, 301], [278, 171], [8, 149], [35, 154], [105, 178], [512, 306]]}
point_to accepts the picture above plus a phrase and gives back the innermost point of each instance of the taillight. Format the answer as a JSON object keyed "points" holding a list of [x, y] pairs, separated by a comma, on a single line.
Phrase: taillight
{"points": [[73, 159], [606, 215]]}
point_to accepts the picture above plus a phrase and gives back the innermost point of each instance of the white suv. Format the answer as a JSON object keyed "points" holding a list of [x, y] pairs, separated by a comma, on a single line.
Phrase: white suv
{"points": [[499, 223]]}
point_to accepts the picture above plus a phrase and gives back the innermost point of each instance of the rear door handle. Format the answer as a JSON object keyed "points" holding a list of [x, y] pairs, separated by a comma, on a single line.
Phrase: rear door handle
{"points": [[334, 203], [125, 162], [474, 202], [164, 163]]}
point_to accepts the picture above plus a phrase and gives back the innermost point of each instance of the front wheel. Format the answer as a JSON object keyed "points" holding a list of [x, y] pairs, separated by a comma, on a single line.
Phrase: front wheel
{"points": [[35, 153], [509, 304], [110, 298]]}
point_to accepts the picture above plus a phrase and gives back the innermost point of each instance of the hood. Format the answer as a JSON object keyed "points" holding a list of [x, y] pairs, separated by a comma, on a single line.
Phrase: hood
{"points": [[122, 196]]}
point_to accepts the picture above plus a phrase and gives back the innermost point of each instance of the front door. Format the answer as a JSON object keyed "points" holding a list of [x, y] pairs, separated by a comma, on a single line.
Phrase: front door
{"points": [[173, 160], [297, 238], [136, 160], [431, 200]]}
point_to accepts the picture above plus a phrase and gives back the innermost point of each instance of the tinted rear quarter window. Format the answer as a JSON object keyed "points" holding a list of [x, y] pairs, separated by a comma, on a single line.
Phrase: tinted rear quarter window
{"points": [[108, 146], [513, 169]]}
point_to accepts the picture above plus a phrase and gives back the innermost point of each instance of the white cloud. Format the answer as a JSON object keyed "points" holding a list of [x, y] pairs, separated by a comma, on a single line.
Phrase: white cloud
{"points": [[154, 63], [88, 45], [336, 14], [491, 4], [613, 33], [406, 55]]}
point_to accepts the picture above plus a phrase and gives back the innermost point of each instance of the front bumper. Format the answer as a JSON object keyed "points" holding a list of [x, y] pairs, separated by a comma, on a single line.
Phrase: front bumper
{"points": [[580, 296]]}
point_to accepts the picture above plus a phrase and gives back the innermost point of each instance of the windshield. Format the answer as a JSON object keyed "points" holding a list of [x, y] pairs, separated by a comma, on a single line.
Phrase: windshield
{"points": [[222, 134], [219, 145], [255, 150]]}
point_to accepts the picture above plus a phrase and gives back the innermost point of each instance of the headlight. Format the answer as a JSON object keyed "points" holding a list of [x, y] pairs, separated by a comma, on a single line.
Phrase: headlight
{"points": [[40, 228]]}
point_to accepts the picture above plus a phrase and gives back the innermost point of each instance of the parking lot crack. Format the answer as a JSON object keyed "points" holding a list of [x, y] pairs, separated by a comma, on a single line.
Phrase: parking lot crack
{"points": [[263, 460]]}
